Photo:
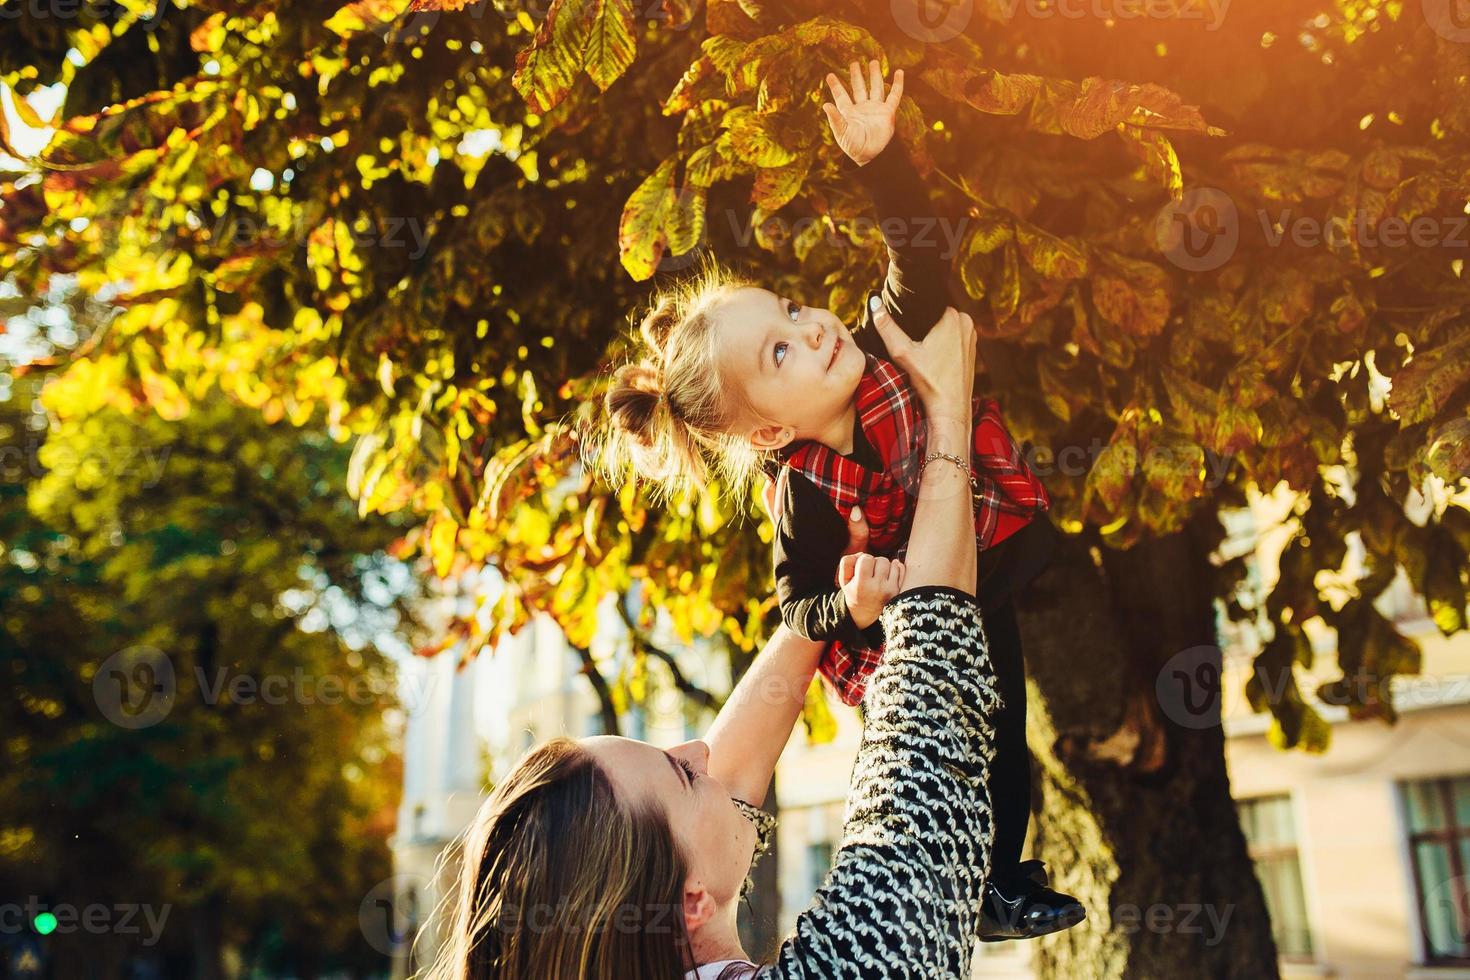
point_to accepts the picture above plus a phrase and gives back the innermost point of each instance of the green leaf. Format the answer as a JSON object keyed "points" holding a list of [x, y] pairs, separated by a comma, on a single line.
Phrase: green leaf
{"points": [[752, 138], [1005, 291], [1158, 156], [1049, 256], [1132, 294], [641, 238], [1425, 385], [611, 45], [775, 187], [548, 67]]}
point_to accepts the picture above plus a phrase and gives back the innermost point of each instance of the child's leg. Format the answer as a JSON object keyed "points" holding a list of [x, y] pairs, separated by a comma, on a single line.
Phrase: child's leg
{"points": [[1010, 771]]}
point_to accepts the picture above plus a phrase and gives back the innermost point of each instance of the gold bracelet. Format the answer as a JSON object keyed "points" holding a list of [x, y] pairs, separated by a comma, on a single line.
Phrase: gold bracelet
{"points": [[952, 458]]}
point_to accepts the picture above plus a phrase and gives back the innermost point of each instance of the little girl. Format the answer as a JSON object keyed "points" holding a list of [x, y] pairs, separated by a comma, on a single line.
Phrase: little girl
{"points": [[740, 379]]}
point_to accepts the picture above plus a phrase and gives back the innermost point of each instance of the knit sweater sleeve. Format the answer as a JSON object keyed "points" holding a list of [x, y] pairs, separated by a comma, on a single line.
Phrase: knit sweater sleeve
{"points": [[903, 896]]}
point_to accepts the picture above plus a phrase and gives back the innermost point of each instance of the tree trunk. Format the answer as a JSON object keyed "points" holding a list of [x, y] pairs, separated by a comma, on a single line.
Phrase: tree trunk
{"points": [[1136, 817], [760, 918]]}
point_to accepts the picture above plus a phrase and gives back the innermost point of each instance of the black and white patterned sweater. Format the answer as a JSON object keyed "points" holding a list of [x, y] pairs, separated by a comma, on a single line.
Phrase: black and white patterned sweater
{"points": [[903, 896]]}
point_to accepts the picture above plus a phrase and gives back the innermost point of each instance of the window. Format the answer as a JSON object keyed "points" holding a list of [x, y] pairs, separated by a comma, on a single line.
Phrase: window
{"points": [[1270, 832], [1437, 812], [818, 863]]}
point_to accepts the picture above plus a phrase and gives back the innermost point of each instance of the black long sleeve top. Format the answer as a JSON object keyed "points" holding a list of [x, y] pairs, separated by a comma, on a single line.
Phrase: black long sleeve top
{"points": [[810, 533]]}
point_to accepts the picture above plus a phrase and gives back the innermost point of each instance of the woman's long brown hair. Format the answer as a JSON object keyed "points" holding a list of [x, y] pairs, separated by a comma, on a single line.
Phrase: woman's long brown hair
{"points": [[561, 881]]}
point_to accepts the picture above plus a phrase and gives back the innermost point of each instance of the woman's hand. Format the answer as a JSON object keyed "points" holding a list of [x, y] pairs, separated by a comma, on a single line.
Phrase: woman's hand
{"points": [[863, 123], [941, 367]]}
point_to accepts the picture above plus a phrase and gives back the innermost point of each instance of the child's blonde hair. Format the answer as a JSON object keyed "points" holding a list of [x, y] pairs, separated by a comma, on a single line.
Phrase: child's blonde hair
{"points": [[671, 415]]}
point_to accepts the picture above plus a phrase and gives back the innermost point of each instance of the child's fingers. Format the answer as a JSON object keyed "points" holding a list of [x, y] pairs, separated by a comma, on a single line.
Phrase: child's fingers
{"points": [[875, 81], [857, 532], [839, 94], [845, 569], [880, 571], [895, 95], [894, 583], [859, 89], [863, 568]]}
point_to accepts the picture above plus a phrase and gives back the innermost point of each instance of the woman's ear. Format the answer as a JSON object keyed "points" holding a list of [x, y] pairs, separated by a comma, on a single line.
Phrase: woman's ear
{"points": [[699, 907], [768, 438]]}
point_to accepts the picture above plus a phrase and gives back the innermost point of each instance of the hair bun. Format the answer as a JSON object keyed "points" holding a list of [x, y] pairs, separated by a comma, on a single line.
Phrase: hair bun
{"points": [[633, 401], [658, 323]]}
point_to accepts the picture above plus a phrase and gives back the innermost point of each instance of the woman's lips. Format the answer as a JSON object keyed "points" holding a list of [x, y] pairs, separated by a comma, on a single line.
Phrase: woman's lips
{"points": [[836, 349]]}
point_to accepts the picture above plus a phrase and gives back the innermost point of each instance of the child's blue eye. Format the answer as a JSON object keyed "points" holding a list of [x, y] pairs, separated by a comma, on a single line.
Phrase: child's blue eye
{"points": [[792, 309], [781, 352]]}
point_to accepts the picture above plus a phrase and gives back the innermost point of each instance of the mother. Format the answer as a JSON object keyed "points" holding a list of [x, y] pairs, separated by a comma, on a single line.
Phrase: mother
{"points": [[608, 858]]}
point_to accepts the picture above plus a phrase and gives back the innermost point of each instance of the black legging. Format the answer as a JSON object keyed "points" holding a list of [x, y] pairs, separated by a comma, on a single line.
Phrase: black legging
{"points": [[1010, 771], [1003, 572]]}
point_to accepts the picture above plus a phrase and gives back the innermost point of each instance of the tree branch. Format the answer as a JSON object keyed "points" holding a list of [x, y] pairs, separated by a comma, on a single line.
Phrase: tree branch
{"points": [[687, 688], [604, 693]]}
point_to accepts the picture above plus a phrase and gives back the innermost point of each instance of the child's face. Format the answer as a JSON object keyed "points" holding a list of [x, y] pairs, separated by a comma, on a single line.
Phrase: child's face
{"points": [[798, 366]]}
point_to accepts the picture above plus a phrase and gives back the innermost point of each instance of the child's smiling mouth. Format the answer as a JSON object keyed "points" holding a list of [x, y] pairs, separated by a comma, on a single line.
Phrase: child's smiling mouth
{"points": [[836, 349]]}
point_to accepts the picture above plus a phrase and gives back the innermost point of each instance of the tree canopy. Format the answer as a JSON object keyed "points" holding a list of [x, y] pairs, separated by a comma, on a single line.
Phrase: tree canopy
{"points": [[194, 709], [425, 227]]}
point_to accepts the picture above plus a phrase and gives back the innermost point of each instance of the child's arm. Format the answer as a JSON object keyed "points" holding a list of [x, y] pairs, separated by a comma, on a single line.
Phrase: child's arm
{"points": [[920, 245], [811, 538]]}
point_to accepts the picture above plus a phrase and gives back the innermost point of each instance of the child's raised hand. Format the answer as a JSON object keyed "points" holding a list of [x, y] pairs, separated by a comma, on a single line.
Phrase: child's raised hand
{"points": [[867, 583], [863, 124]]}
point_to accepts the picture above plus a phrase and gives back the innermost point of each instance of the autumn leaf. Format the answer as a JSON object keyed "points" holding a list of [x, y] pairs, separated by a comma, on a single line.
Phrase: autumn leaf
{"points": [[1133, 294], [548, 67], [1425, 385], [641, 237], [611, 45]]}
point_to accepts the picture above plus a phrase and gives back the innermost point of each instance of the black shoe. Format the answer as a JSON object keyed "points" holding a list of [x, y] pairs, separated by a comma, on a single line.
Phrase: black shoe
{"points": [[1019, 905]]}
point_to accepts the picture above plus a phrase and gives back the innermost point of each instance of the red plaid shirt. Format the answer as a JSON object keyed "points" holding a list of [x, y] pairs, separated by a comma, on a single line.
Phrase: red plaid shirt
{"points": [[1007, 495]]}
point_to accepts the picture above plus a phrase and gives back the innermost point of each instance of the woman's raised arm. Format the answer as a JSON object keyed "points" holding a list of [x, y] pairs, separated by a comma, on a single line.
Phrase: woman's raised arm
{"points": [[755, 723]]}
